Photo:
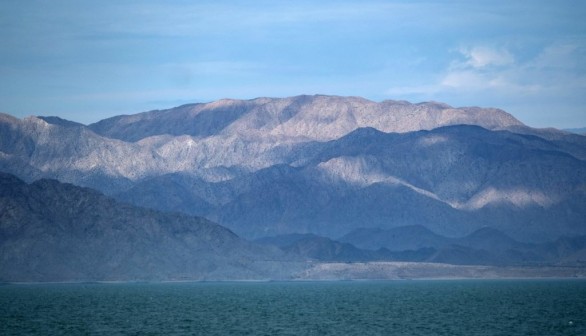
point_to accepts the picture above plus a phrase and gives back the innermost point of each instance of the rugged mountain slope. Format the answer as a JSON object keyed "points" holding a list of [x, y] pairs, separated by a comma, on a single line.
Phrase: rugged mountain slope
{"points": [[283, 122], [51, 231], [305, 117], [304, 164], [452, 180]]}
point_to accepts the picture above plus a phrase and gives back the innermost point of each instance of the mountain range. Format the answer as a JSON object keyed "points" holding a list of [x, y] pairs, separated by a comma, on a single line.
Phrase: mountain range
{"points": [[53, 231], [322, 165]]}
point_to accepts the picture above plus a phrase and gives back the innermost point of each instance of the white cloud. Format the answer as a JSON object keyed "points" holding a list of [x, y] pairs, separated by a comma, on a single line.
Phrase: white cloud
{"points": [[482, 68], [481, 56], [554, 69], [498, 73], [501, 81]]}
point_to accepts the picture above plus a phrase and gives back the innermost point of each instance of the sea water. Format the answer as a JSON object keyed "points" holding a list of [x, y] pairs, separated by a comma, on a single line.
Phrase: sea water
{"points": [[457, 307]]}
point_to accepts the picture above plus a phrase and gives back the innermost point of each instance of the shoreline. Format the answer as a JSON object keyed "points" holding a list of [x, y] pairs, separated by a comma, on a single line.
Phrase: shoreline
{"points": [[372, 271], [288, 281]]}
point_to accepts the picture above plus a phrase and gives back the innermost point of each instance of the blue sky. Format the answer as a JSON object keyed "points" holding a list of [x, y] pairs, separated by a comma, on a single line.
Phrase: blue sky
{"points": [[88, 60]]}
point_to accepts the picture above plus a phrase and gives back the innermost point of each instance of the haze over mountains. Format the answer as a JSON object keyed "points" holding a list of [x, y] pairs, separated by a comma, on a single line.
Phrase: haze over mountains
{"points": [[323, 165]]}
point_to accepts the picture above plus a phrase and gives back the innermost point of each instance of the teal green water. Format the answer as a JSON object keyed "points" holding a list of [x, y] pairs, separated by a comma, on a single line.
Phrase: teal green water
{"points": [[473, 307]]}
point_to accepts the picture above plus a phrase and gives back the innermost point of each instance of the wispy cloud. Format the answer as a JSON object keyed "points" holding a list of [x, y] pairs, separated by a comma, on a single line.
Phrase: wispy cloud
{"points": [[496, 69], [481, 57]]}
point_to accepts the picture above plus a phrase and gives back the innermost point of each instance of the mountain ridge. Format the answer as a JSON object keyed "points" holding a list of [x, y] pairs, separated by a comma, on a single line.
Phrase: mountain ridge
{"points": [[316, 117]]}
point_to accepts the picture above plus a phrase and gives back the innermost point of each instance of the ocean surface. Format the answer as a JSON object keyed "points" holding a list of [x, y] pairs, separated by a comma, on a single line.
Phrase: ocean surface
{"points": [[430, 307]]}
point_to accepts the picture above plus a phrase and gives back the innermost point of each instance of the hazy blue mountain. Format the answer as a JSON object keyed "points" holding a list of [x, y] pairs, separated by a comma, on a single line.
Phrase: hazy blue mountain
{"points": [[416, 236], [50, 231], [485, 246], [412, 237], [488, 246], [490, 239], [314, 247], [565, 250], [561, 252], [581, 131], [318, 248]]}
